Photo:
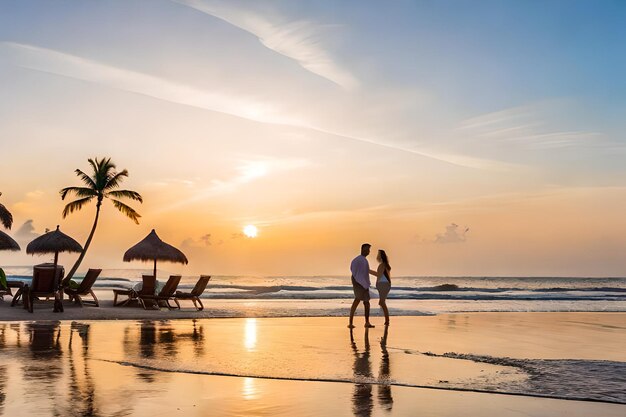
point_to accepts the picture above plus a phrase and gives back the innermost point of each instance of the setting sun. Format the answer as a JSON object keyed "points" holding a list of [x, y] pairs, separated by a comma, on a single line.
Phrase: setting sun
{"points": [[250, 231]]}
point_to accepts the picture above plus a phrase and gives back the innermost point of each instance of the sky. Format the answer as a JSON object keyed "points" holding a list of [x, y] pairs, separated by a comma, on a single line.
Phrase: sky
{"points": [[464, 138]]}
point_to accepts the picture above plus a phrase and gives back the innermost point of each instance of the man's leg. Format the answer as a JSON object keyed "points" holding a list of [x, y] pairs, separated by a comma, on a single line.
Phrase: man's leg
{"points": [[367, 314], [355, 304]]}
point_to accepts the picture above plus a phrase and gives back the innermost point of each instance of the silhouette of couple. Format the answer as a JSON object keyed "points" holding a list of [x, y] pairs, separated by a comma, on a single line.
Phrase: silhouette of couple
{"points": [[361, 272]]}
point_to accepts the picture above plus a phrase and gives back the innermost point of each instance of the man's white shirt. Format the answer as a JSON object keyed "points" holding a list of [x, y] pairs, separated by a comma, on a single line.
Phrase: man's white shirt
{"points": [[360, 269]]}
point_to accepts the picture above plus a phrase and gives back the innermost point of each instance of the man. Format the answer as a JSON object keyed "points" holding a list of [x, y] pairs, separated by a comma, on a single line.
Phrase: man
{"points": [[360, 269]]}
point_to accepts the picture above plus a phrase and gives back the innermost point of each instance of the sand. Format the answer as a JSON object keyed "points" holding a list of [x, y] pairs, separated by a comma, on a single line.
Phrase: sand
{"points": [[300, 366]]}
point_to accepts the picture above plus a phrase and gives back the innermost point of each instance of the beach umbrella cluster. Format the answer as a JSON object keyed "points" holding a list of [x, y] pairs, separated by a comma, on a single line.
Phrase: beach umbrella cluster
{"points": [[153, 249]]}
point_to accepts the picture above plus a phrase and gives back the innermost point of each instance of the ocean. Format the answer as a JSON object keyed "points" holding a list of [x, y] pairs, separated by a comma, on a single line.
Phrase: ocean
{"points": [[409, 295]]}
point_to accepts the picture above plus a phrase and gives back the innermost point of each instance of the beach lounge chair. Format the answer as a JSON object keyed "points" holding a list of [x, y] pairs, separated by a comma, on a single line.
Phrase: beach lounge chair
{"points": [[195, 293], [4, 290], [6, 285], [84, 288], [131, 294], [163, 297], [45, 283]]}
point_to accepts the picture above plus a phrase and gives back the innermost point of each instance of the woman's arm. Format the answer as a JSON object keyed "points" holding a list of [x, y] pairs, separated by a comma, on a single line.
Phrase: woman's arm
{"points": [[381, 270]]}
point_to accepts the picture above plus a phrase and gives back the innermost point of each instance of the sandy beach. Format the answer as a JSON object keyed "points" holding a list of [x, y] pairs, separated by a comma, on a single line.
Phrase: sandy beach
{"points": [[481, 364]]}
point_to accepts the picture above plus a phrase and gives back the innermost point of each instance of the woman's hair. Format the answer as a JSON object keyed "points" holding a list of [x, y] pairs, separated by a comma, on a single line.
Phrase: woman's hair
{"points": [[384, 259]]}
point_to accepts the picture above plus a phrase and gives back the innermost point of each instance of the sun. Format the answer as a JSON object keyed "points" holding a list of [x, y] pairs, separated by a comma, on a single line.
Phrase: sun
{"points": [[250, 231]]}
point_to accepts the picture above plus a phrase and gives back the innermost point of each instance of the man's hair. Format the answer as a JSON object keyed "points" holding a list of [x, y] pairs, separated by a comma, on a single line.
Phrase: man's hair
{"points": [[365, 246]]}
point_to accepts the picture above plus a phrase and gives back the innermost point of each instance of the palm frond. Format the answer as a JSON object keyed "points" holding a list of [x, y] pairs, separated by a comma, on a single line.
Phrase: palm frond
{"points": [[78, 191], [75, 206], [115, 179], [94, 165], [6, 218], [127, 210], [132, 195], [102, 171], [89, 182]]}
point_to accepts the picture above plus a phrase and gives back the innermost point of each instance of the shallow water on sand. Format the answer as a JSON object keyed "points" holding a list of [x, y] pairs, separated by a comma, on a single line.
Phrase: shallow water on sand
{"points": [[303, 366]]}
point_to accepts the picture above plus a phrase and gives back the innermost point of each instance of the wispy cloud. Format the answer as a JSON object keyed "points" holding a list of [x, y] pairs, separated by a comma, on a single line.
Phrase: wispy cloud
{"points": [[249, 170], [72, 66], [465, 161], [245, 172], [297, 40], [525, 126], [30, 204], [262, 111], [297, 216], [505, 116]]}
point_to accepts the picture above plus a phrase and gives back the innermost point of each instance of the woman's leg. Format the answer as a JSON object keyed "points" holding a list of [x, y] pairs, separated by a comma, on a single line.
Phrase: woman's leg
{"points": [[383, 304]]}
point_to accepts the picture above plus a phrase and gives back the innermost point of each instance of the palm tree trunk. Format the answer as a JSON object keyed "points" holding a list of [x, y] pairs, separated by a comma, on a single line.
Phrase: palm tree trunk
{"points": [[70, 274]]}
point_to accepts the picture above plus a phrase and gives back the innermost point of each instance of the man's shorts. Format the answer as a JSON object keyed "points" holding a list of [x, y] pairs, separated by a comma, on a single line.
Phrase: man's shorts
{"points": [[360, 293]]}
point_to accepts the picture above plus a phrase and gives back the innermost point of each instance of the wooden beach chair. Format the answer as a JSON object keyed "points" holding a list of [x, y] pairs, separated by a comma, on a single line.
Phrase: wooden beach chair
{"points": [[17, 297], [163, 297], [45, 283], [195, 293], [84, 288], [131, 295], [4, 291]]}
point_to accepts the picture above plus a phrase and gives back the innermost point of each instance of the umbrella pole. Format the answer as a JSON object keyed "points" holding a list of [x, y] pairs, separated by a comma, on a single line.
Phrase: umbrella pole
{"points": [[154, 274]]}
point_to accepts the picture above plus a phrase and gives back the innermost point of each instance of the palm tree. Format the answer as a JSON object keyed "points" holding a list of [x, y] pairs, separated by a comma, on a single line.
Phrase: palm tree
{"points": [[102, 183], [6, 219]]}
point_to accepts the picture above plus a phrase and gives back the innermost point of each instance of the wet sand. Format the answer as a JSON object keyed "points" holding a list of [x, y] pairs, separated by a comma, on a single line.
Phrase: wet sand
{"points": [[301, 366]]}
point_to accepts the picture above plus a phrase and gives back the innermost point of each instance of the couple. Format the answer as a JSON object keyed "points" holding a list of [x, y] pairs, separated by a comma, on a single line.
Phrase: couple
{"points": [[361, 271]]}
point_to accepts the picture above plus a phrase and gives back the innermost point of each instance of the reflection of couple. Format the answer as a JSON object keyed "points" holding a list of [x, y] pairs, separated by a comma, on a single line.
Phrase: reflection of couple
{"points": [[362, 398], [361, 271]]}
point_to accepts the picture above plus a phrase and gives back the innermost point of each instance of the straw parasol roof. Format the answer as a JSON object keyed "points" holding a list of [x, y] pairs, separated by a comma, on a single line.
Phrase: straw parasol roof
{"points": [[152, 248], [7, 242], [53, 242]]}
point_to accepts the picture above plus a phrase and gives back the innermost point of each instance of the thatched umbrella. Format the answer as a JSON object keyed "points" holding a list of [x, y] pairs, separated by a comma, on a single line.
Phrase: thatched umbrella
{"points": [[152, 248], [53, 242], [7, 242]]}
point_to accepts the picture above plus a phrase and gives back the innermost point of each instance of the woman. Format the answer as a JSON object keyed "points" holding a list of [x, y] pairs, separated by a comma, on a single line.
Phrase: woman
{"points": [[383, 282]]}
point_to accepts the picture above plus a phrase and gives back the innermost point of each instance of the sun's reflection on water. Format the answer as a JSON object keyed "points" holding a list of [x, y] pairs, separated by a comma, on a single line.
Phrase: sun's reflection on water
{"points": [[249, 390], [249, 340]]}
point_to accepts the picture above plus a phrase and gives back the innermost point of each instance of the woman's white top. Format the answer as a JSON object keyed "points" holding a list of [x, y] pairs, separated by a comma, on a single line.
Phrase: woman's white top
{"points": [[383, 280]]}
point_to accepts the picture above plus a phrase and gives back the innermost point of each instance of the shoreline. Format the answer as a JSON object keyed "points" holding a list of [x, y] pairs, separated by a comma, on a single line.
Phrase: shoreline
{"points": [[371, 383]]}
